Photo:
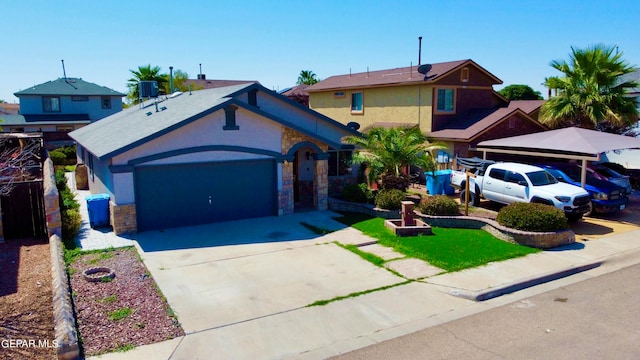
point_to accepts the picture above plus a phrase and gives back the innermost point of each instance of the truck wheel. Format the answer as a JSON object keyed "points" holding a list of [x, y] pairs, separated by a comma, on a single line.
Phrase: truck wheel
{"points": [[591, 211], [473, 200]]}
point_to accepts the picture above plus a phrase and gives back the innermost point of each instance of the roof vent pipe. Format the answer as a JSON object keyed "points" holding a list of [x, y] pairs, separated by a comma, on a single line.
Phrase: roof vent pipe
{"points": [[419, 50], [170, 79]]}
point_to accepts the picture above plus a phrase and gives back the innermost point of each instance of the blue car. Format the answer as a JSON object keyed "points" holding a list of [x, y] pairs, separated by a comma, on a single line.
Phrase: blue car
{"points": [[606, 197]]}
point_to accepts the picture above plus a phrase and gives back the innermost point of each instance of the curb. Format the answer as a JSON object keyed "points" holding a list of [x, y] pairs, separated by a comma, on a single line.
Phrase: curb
{"points": [[524, 283], [63, 320]]}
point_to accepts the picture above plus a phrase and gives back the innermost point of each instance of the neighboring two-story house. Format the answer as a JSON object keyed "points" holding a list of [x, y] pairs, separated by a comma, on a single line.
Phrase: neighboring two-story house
{"points": [[454, 102], [58, 107]]}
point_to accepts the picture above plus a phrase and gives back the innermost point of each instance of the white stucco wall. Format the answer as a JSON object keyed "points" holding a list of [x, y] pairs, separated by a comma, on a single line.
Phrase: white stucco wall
{"points": [[300, 117], [255, 132]]}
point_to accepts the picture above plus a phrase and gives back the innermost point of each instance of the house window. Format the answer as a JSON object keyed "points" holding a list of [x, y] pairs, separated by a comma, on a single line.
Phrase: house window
{"points": [[79, 98], [445, 100], [90, 166], [17, 130], [339, 162], [338, 94], [50, 104], [230, 118], [356, 102], [106, 102], [464, 74]]}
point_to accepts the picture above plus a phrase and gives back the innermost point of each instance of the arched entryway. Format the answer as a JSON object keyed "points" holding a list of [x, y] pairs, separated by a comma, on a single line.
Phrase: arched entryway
{"points": [[303, 178]]}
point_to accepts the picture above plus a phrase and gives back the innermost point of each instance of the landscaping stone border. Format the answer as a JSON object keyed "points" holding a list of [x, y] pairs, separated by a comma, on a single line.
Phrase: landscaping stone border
{"points": [[540, 240], [63, 320]]}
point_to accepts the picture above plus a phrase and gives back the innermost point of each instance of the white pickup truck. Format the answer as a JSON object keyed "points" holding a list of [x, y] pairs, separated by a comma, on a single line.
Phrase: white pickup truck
{"points": [[511, 182]]}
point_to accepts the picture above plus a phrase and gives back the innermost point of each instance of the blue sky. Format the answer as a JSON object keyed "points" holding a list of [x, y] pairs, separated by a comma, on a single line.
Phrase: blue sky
{"points": [[271, 41]]}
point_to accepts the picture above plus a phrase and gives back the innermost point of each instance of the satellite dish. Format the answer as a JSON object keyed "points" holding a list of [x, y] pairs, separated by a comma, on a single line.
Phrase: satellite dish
{"points": [[353, 125], [424, 69]]}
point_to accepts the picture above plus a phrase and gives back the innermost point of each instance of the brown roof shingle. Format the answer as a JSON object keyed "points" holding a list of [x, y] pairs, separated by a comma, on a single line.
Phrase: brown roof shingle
{"points": [[488, 121], [405, 75]]}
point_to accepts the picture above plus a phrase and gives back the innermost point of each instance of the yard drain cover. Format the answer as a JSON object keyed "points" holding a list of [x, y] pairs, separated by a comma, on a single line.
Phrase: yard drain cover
{"points": [[98, 274]]}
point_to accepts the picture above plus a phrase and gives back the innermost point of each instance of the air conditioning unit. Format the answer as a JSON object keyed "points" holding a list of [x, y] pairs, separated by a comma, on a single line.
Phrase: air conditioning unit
{"points": [[148, 89]]}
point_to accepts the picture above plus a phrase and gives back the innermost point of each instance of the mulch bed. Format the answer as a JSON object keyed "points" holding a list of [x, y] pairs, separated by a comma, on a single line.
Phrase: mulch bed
{"points": [[26, 303], [121, 313]]}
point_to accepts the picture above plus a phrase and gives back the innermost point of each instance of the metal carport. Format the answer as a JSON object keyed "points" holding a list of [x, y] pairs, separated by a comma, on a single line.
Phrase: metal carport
{"points": [[568, 143]]}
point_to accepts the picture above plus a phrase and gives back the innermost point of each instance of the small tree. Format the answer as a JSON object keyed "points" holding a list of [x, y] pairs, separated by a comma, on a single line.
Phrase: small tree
{"points": [[591, 93], [520, 92], [179, 82], [387, 152], [307, 77]]}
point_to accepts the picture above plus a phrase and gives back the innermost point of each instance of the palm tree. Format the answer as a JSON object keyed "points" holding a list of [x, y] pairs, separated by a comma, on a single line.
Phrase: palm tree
{"points": [[591, 94], [144, 73], [387, 151], [307, 77]]}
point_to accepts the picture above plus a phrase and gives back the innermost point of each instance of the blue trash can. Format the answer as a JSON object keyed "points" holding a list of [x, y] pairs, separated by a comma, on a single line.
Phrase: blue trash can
{"points": [[445, 178], [434, 183], [98, 208], [439, 182]]}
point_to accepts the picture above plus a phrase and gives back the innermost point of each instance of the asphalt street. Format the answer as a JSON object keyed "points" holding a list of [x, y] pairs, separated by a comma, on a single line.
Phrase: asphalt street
{"points": [[592, 319]]}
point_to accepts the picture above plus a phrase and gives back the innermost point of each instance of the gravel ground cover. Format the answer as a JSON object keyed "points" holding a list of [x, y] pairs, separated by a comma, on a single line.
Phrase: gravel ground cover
{"points": [[121, 313]]}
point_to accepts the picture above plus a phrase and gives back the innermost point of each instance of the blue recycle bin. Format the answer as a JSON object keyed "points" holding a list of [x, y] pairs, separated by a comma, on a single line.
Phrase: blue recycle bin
{"points": [[98, 208], [439, 182]]}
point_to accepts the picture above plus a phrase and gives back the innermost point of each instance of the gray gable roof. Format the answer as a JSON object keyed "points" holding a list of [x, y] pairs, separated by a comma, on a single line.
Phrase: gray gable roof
{"points": [[132, 127], [138, 124], [69, 86]]}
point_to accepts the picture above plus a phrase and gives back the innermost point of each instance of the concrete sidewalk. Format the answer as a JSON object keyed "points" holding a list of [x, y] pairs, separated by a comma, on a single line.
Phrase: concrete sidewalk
{"points": [[323, 331]]}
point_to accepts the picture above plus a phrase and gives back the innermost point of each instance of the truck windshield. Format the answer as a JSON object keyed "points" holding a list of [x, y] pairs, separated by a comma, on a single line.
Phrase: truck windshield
{"points": [[540, 178]]}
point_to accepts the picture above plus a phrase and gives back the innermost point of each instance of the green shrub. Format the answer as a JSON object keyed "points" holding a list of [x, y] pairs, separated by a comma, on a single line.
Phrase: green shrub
{"points": [[71, 222], [69, 211], [438, 205], [532, 217], [57, 157], [390, 199], [359, 193], [69, 152]]}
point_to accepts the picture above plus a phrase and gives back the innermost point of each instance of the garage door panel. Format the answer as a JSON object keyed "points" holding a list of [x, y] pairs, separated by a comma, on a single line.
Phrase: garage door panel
{"points": [[191, 194]]}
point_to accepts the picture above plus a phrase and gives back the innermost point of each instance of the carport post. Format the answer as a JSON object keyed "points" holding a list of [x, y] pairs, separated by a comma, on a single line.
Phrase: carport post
{"points": [[583, 173]]}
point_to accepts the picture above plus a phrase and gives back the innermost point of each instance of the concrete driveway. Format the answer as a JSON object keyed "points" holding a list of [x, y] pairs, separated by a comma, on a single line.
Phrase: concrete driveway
{"points": [[220, 274]]}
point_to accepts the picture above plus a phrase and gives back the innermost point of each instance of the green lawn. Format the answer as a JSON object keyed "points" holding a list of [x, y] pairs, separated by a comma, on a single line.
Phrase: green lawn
{"points": [[450, 249]]}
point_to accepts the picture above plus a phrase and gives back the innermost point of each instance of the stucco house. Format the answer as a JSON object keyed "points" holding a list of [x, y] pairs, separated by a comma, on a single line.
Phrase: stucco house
{"points": [[454, 102], [57, 107], [212, 155]]}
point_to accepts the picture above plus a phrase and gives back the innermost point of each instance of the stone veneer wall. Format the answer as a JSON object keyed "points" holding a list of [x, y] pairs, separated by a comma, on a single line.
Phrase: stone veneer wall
{"points": [[51, 199], [123, 218], [321, 185], [290, 138], [285, 196]]}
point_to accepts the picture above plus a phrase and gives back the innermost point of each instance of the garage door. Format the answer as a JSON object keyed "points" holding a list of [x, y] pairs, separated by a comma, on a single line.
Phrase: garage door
{"points": [[191, 194]]}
